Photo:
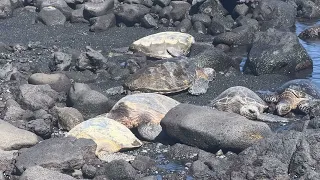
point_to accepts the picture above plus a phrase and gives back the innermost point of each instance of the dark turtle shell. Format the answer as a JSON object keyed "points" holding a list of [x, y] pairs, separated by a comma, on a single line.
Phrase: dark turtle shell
{"points": [[301, 85]]}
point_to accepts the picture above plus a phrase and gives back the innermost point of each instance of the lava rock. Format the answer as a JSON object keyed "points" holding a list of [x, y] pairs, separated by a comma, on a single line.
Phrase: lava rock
{"points": [[211, 129], [214, 58], [243, 35], [275, 14], [102, 23], [130, 13], [7, 159], [13, 138], [200, 170], [39, 173], [97, 9], [68, 117], [275, 52], [51, 16], [57, 154], [61, 61], [199, 27], [310, 33], [220, 24], [13, 112], [58, 82], [162, 3], [184, 26], [166, 12], [240, 10], [212, 8], [37, 96], [308, 9], [77, 16], [5, 9], [89, 102], [148, 21], [40, 128], [58, 4], [205, 19], [142, 163], [183, 152], [120, 169], [179, 10], [88, 171]]}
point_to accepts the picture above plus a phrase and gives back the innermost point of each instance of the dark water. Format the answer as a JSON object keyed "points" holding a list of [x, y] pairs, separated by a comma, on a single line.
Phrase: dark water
{"points": [[313, 48]]}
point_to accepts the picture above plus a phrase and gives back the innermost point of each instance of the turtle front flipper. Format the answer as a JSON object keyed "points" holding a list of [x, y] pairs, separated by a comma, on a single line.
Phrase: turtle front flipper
{"points": [[271, 118], [174, 52], [304, 106]]}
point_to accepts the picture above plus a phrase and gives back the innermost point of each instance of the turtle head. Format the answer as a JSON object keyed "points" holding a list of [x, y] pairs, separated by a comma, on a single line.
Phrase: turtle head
{"points": [[250, 111], [283, 108]]}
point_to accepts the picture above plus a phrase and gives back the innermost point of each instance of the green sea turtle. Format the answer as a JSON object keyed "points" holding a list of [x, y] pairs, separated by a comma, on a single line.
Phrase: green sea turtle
{"points": [[109, 135], [171, 76], [164, 45], [143, 111], [243, 101], [294, 94]]}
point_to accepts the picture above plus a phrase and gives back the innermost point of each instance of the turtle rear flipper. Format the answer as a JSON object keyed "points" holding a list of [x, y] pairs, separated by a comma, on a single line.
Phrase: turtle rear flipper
{"points": [[269, 96], [272, 118]]}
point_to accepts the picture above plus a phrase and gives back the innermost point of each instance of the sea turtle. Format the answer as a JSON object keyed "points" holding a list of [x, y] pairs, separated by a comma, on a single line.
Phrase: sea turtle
{"points": [[294, 94], [164, 45], [243, 101], [170, 76], [109, 135], [143, 111]]}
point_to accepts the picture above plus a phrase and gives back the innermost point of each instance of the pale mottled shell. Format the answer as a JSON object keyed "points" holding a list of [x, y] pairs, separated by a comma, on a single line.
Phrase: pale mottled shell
{"points": [[156, 45], [109, 135], [132, 110]]}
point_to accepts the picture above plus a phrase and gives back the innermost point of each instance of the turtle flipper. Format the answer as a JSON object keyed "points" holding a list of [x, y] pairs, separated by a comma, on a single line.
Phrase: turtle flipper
{"points": [[174, 52], [304, 106], [271, 118]]}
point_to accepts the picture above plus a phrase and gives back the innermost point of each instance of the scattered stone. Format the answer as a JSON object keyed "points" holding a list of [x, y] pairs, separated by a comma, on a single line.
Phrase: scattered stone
{"points": [[102, 23], [120, 169], [77, 16], [7, 159], [40, 173], [163, 3], [89, 102], [68, 117], [109, 135], [62, 154], [179, 10], [184, 26], [58, 82], [61, 5], [89, 171], [220, 24], [148, 21], [37, 96], [51, 16], [61, 61], [130, 13], [40, 128], [308, 9], [241, 10], [92, 9], [142, 163], [205, 19], [212, 8], [115, 90], [13, 138], [199, 27], [14, 113], [212, 129]]}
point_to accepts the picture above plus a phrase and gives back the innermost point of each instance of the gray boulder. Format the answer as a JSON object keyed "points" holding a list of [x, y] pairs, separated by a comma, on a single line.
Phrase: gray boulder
{"points": [[52, 16], [77, 16], [204, 18], [308, 9], [179, 10], [58, 82], [59, 4], [5, 9], [213, 58], [14, 113], [13, 138], [311, 33], [275, 14], [68, 117], [211, 129], [40, 173], [130, 14], [148, 21], [220, 24], [7, 160], [89, 102], [212, 8], [37, 96], [60, 154], [277, 52], [97, 9], [61, 61], [102, 23]]}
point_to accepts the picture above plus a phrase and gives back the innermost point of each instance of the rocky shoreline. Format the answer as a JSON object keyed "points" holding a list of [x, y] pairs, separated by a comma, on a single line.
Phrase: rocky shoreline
{"points": [[66, 114]]}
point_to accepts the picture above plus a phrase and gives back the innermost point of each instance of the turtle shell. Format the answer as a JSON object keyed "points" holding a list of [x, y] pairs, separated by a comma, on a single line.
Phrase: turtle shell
{"points": [[142, 108], [161, 44], [109, 135], [301, 85], [233, 98], [163, 77]]}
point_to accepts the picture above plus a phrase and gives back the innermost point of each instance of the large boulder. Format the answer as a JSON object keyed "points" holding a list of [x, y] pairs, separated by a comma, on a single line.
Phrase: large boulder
{"points": [[211, 129], [51, 16], [40, 173], [130, 13], [308, 8], [275, 14], [277, 52], [12, 138], [212, 8], [63, 154], [97, 9]]}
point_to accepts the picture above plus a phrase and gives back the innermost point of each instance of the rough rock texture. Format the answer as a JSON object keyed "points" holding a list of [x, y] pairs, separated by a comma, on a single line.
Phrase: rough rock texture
{"points": [[310, 33], [97, 9], [58, 82], [52, 16], [5, 9], [68, 117], [40, 173], [12, 138], [102, 23], [7, 160], [130, 13], [275, 52], [60, 154], [212, 129]]}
